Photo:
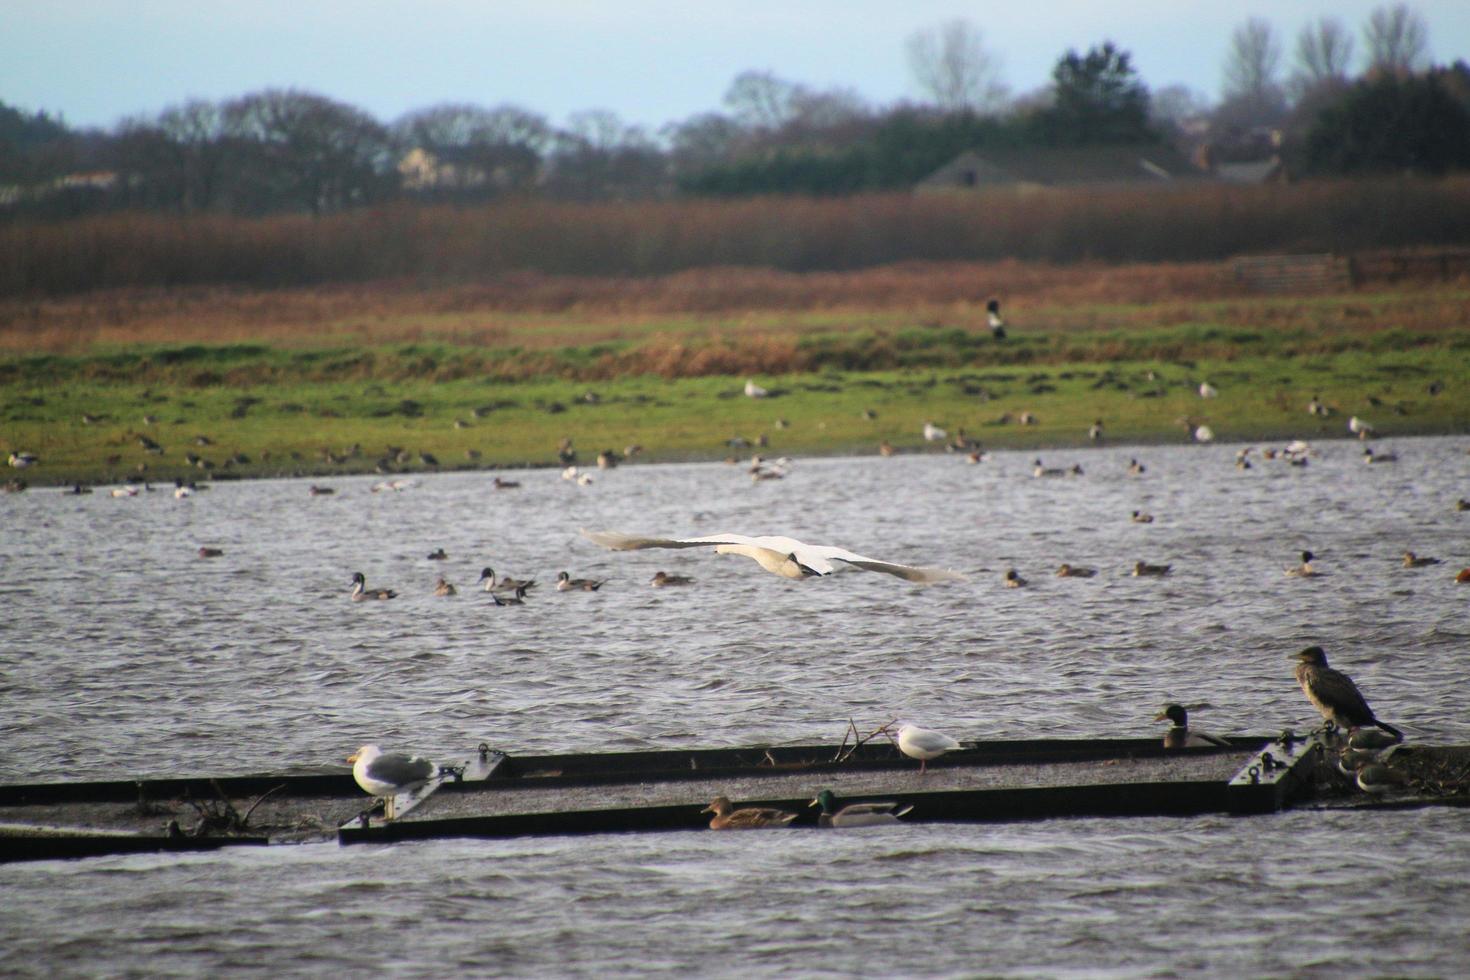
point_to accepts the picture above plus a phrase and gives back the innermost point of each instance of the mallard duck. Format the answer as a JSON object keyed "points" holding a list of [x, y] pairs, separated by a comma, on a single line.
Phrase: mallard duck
{"points": [[923, 744], [1139, 517], [726, 817], [661, 579], [1014, 581], [211, 552], [361, 592], [1039, 471], [1143, 569], [386, 774], [1334, 694], [856, 814], [437, 555], [1412, 560], [565, 583], [1075, 571], [317, 491], [493, 584], [1305, 569], [443, 587], [778, 555], [1181, 736], [501, 484]]}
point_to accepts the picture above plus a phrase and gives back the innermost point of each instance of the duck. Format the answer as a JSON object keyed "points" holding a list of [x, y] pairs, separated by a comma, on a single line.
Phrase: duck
{"points": [[1014, 581], [1075, 571], [856, 814], [317, 491], [501, 484], [1135, 468], [662, 579], [1370, 457], [993, 317], [22, 460], [1305, 569], [493, 584], [1139, 517], [443, 587], [924, 744], [517, 598], [1181, 736], [1377, 779], [361, 592], [1412, 560], [885, 448], [1142, 569], [211, 552], [386, 774], [437, 555], [565, 583], [1334, 694], [125, 491], [777, 554], [1462, 504], [726, 817], [1095, 431], [1038, 470], [1463, 576]]}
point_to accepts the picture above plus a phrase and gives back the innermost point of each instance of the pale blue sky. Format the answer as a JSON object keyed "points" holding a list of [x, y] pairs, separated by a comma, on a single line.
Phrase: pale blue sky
{"points": [[650, 61]]}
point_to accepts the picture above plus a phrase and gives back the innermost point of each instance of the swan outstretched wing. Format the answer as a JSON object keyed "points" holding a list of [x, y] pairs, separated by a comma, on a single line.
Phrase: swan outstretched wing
{"points": [[816, 557]]}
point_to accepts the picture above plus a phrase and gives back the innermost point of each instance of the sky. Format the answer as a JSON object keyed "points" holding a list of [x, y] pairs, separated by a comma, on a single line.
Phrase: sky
{"points": [[95, 62]]}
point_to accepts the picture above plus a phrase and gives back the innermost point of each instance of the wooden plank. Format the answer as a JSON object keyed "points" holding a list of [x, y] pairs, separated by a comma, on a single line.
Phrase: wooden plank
{"points": [[1266, 783]]}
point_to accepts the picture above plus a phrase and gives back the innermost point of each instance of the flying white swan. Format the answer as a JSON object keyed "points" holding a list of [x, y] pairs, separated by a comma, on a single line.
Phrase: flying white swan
{"points": [[778, 555]]}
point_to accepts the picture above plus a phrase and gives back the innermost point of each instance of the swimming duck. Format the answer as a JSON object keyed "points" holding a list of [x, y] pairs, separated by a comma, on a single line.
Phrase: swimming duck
{"points": [[386, 774], [1462, 504], [1463, 576], [317, 491], [1135, 468], [518, 598], [1038, 471], [501, 484], [726, 817], [661, 579], [1334, 694], [211, 552], [437, 555], [924, 744], [856, 814], [1305, 569], [779, 555], [360, 591], [997, 324], [1370, 457], [1074, 571], [1139, 517], [565, 583], [493, 584], [1142, 569], [125, 491], [1412, 560], [1014, 581], [442, 587], [1180, 735]]}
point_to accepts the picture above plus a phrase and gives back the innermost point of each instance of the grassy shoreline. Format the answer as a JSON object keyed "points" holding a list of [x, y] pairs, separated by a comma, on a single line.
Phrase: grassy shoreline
{"points": [[333, 397]]}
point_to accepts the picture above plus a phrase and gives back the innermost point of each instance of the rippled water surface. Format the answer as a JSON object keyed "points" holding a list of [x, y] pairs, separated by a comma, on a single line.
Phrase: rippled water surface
{"points": [[124, 653]]}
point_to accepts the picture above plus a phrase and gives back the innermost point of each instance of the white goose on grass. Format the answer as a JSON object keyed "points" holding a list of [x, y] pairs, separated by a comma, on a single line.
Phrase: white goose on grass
{"points": [[777, 554]]}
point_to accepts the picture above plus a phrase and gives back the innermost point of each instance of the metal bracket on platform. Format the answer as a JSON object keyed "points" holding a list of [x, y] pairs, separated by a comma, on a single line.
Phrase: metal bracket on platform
{"points": [[1266, 782]]}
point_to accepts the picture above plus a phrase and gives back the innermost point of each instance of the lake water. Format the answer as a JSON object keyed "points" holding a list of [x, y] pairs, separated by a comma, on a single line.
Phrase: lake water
{"points": [[123, 653]]}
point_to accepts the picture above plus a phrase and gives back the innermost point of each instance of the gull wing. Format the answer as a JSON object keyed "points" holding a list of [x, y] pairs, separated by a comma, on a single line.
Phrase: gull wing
{"points": [[618, 541], [400, 768], [912, 573]]}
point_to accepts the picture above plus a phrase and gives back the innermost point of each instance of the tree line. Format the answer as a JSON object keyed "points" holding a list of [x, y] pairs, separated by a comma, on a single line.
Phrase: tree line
{"points": [[291, 151]]}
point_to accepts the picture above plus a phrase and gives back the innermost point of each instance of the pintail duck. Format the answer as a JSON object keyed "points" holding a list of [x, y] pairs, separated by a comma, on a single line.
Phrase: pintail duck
{"points": [[856, 814], [726, 817], [565, 583], [493, 584], [661, 579], [1139, 517], [386, 774], [361, 592], [211, 552], [1180, 735], [1370, 457], [924, 744], [437, 555], [1305, 569], [1334, 694], [443, 587], [1135, 468], [1412, 560], [1038, 470], [1014, 581], [1074, 571], [518, 598], [1142, 569]]}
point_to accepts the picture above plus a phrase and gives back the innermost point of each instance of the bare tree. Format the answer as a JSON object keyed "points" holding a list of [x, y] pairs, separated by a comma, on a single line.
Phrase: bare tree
{"points": [[760, 100], [951, 64], [1253, 62], [1323, 52], [480, 151], [1397, 40]]}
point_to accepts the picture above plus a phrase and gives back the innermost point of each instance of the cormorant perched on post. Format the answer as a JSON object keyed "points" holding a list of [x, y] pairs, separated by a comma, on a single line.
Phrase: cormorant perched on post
{"points": [[997, 325], [1334, 693], [1179, 736]]}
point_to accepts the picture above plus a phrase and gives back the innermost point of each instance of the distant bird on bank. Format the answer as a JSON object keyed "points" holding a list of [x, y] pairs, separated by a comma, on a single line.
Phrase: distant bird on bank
{"points": [[856, 814], [933, 433], [1207, 390], [1180, 735], [1204, 433], [662, 580], [22, 460], [753, 390], [1095, 431], [386, 774], [997, 323], [1334, 694], [726, 817], [1359, 428], [779, 555], [565, 583], [924, 744], [1306, 569], [361, 592]]}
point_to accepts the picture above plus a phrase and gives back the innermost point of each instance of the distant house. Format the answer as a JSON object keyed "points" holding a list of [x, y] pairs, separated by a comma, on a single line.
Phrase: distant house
{"points": [[423, 170], [1062, 166]]}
